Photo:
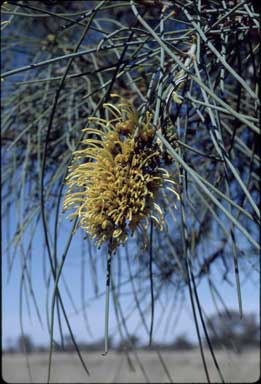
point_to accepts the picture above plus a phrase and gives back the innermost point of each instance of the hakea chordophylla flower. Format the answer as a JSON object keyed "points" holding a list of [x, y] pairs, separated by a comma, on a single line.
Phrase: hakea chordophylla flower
{"points": [[115, 179]]}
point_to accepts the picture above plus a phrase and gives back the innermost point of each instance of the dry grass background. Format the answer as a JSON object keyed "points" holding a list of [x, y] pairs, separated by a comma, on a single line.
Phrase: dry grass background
{"points": [[184, 367]]}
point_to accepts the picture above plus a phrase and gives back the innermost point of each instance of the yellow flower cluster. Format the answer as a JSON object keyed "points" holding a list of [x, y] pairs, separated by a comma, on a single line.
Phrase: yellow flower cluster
{"points": [[114, 180]]}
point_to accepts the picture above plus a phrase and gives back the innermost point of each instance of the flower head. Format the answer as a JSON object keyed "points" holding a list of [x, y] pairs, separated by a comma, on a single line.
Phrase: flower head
{"points": [[114, 180]]}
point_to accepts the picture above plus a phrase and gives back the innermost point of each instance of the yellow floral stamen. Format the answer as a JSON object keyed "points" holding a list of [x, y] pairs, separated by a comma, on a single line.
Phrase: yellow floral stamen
{"points": [[115, 179]]}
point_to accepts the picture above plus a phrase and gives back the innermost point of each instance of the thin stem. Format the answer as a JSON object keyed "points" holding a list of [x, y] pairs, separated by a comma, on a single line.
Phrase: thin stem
{"points": [[151, 283], [107, 300]]}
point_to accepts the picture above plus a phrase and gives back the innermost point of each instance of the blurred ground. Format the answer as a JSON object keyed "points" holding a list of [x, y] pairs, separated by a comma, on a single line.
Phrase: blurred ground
{"points": [[182, 367]]}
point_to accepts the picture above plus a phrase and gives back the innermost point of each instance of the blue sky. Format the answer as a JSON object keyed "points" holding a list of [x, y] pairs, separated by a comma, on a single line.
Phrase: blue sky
{"points": [[95, 309]]}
